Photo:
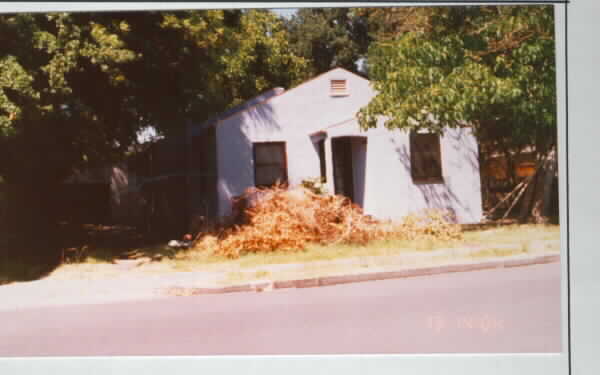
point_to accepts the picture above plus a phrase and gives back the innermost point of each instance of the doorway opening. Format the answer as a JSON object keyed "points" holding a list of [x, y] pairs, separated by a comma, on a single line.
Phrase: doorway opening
{"points": [[349, 167]]}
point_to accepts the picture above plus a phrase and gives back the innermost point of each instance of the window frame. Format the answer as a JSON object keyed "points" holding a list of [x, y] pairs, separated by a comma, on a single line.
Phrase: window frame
{"points": [[415, 152], [283, 146]]}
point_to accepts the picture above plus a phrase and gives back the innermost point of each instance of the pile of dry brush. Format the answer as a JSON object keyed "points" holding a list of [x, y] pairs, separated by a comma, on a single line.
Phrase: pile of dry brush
{"points": [[288, 219]]}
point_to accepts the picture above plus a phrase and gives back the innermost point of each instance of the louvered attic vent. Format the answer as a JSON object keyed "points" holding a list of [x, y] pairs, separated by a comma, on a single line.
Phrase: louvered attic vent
{"points": [[338, 87]]}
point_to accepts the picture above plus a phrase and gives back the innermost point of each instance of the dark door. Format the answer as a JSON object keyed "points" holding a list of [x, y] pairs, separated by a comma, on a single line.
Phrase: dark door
{"points": [[342, 167]]}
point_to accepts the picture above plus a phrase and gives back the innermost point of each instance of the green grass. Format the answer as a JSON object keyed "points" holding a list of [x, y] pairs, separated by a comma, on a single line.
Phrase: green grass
{"points": [[521, 236], [331, 269], [197, 260], [96, 262], [24, 268], [18, 270], [513, 234]]}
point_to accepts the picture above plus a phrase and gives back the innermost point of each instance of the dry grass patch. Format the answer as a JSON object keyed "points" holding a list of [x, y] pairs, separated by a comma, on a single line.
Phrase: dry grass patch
{"points": [[495, 253], [518, 238], [320, 228], [513, 234], [204, 259], [238, 277], [85, 271], [372, 264]]}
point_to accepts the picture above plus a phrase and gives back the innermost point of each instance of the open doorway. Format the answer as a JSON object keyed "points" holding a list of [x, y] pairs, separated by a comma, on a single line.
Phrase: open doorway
{"points": [[349, 167]]}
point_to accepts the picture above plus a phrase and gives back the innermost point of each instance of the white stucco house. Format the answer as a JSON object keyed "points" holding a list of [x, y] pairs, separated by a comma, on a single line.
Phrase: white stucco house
{"points": [[311, 131]]}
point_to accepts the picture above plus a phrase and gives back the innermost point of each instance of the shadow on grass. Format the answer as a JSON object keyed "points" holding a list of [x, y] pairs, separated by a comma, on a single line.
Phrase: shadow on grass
{"points": [[25, 258], [25, 268], [28, 260]]}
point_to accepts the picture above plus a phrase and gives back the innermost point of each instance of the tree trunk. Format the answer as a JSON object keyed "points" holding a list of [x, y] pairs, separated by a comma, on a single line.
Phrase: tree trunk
{"points": [[547, 208], [523, 188], [528, 197], [536, 201]]}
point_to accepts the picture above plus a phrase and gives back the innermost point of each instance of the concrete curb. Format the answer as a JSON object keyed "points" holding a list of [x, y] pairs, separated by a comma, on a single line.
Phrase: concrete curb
{"points": [[267, 285]]}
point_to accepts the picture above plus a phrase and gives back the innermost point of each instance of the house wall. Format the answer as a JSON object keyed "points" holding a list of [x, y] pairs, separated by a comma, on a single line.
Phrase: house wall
{"points": [[290, 117], [387, 190], [390, 191]]}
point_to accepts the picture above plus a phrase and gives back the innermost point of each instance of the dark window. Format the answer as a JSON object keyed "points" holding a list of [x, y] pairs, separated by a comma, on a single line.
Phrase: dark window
{"points": [[321, 147], [270, 165], [425, 158]]}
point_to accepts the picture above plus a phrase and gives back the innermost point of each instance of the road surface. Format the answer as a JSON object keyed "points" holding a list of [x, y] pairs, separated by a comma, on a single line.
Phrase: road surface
{"points": [[488, 311]]}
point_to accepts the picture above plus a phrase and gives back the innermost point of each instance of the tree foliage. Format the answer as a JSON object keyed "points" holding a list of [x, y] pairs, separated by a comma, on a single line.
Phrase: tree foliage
{"points": [[261, 57], [491, 68], [60, 84], [329, 38], [76, 88]]}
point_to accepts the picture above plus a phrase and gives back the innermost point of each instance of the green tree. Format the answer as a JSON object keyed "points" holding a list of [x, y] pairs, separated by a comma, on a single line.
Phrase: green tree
{"points": [[490, 68], [62, 104], [329, 38], [75, 89], [83, 85], [237, 55]]}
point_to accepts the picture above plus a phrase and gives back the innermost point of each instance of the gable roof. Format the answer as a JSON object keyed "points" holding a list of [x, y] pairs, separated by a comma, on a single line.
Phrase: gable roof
{"points": [[243, 106], [256, 101]]}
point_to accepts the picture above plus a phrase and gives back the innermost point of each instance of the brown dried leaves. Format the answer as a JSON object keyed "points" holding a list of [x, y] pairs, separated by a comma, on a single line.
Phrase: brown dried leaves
{"points": [[289, 219]]}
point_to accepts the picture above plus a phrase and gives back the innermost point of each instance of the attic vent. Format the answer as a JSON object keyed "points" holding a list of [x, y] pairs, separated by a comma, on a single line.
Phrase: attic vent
{"points": [[338, 87]]}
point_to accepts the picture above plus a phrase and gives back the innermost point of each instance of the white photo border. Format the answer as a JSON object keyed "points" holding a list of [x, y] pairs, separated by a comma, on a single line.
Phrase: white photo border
{"points": [[577, 208]]}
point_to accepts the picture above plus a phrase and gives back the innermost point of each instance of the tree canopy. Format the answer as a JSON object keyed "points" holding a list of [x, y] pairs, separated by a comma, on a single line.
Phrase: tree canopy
{"points": [[329, 37], [76, 88], [491, 68]]}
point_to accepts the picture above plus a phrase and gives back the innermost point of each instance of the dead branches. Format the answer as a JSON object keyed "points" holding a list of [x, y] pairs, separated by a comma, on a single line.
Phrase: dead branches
{"points": [[290, 219]]}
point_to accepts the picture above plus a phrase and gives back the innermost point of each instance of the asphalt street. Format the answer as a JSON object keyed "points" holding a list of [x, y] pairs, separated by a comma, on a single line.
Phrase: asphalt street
{"points": [[489, 311]]}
